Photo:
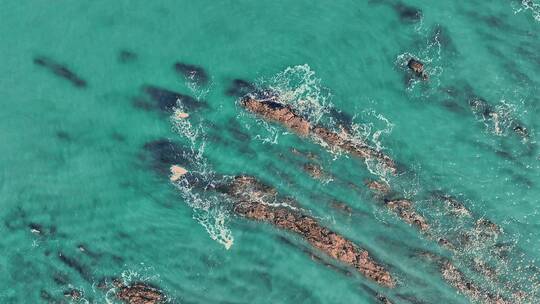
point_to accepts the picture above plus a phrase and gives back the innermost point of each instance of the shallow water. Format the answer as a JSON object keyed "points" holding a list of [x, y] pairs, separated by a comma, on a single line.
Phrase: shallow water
{"points": [[75, 171]]}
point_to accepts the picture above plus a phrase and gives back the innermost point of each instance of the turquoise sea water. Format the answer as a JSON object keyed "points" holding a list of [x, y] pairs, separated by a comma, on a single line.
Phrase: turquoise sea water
{"points": [[80, 199]]}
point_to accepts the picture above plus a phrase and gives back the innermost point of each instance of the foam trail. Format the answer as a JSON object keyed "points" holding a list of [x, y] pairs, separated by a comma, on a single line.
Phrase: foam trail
{"points": [[209, 209]]}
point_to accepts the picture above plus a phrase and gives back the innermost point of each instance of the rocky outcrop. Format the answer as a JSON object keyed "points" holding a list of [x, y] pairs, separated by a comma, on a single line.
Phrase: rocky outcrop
{"points": [[273, 110], [402, 207], [456, 278], [278, 112], [381, 188], [418, 68], [138, 293], [405, 210], [314, 170], [250, 200]]}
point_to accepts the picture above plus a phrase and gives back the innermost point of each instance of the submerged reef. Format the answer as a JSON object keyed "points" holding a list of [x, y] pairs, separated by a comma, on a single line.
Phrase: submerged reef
{"points": [[60, 70], [168, 100], [192, 72]]}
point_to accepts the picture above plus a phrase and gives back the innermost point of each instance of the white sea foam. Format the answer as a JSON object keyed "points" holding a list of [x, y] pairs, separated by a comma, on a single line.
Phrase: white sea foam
{"points": [[499, 121], [529, 5], [300, 88], [209, 208], [143, 273], [197, 90]]}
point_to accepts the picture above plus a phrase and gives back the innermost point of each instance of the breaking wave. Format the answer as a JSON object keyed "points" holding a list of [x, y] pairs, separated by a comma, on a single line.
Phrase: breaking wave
{"points": [[300, 88]]}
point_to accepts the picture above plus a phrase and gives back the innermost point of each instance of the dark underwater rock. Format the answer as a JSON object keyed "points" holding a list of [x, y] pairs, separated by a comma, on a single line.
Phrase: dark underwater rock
{"points": [[47, 297], [75, 265], [167, 100], [63, 135], [126, 56], [192, 72], [165, 153], [61, 278], [249, 194], [409, 14], [380, 188], [60, 70], [240, 88]]}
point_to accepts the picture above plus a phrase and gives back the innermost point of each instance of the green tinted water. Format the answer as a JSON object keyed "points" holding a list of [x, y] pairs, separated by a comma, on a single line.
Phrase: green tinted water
{"points": [[73, 164]]}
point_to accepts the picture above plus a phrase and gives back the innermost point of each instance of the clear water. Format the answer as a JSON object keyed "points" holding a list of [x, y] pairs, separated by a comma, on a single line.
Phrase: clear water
{"points": [[72, 159]]}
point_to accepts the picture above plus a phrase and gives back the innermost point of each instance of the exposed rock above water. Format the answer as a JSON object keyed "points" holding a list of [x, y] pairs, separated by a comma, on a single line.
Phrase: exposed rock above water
{"points": [[380, 187], [138, 293], [249, 201], [133, 292], [405, 210], [418, 68], [457, 279], [275, 111]]}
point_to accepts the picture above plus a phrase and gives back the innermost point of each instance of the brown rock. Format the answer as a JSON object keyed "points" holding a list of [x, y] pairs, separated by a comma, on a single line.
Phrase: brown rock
{"points": [[404, 210], [314, 170], [487, 227], [177, 172], [456, 278], [133, 293], [456, 207], [379, 187], [275, 111], [418, 68], [247, 193], [138, 293], [278, 112]]}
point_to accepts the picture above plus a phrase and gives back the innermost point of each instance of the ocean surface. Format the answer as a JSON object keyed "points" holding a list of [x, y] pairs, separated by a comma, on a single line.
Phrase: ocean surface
{"points": [[82, 199]]}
